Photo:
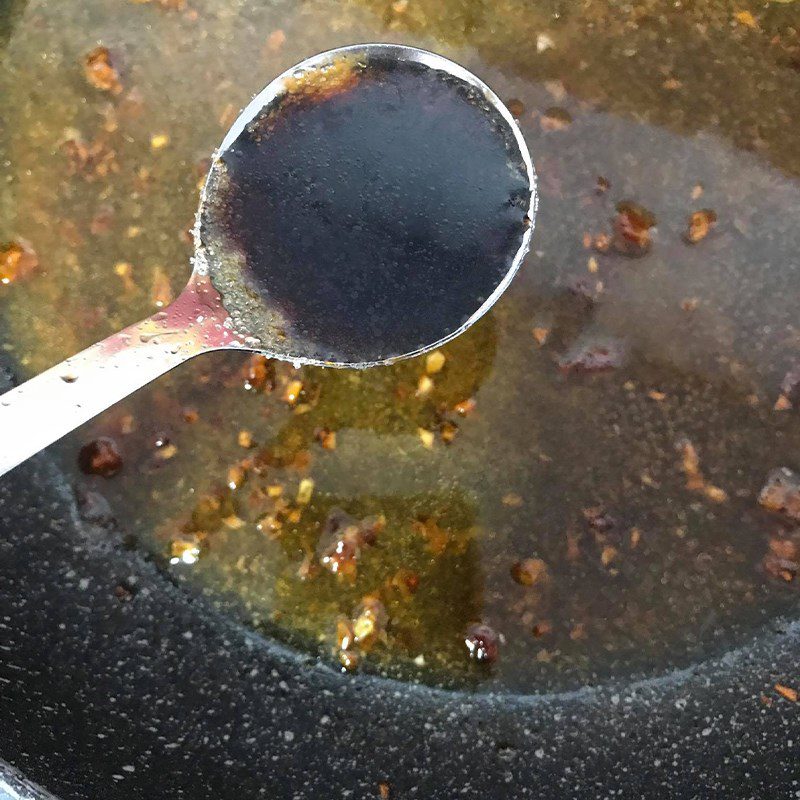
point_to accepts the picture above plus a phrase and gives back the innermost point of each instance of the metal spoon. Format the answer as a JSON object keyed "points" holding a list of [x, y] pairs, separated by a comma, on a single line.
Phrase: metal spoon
{"points": [[222, 308]]}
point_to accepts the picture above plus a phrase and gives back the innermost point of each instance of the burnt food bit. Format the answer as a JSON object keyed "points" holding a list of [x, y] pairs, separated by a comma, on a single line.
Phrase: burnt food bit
{"points": [[555, 119], [781, 493], [632, 229], [343, 539], [516, 107], [593, 357], [100, 71], [790, 389], [100, 457], [94, 508], [529, 572], [782, 559]]}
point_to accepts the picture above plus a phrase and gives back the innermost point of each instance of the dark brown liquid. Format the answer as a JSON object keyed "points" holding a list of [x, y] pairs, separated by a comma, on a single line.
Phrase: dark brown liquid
{"points": [[378, 217]]}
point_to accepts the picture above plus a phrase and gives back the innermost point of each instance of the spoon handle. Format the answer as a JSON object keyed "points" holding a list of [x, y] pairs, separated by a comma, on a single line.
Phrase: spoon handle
{"points": [[45, 408]]}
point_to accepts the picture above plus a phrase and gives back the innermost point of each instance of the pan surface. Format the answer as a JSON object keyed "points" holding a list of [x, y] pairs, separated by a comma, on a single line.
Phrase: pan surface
{"points": [[165, 696], [122, 675]]}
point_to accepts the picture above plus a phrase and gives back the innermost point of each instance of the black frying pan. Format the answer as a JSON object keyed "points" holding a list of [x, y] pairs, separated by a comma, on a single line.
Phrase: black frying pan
{"points": [[156, 694]]}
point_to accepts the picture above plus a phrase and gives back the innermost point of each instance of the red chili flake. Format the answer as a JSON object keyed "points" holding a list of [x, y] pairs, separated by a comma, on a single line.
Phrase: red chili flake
{"points": [[369, 620], [601, 242], [783, 568], [542, 629], [465, 407], [259, 374], [342, 540], [786, 692], [326, 437], [123, 592], [90, 159], [782, 559], [448, 431], [405, 581]]}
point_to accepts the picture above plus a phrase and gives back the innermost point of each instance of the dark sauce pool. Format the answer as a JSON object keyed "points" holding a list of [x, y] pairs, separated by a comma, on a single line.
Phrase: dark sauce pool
{"points": [[376, 207], [606, 524]]}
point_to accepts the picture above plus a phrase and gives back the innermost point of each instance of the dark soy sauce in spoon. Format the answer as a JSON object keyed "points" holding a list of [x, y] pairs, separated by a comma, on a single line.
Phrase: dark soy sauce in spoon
{"points": [[372, 209]]}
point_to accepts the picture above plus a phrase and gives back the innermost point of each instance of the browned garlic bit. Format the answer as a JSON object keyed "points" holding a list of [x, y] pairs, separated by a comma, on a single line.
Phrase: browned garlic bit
{"points": [[700, 225], [17, 261], [357, 635], [781, 493], [100, 71], [695, 481]]}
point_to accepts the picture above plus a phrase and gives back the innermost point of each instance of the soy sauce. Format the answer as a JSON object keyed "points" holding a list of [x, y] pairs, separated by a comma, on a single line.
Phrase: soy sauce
{"points": [[375, 214]]}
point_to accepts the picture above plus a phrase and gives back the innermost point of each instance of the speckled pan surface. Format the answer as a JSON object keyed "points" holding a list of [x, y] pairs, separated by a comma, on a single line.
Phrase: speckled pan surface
{"points": [[120, 680], [161, 697]]}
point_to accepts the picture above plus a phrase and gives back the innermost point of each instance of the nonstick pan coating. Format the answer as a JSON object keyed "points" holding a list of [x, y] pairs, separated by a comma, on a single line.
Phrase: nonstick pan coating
{"points": [[162, 696]]}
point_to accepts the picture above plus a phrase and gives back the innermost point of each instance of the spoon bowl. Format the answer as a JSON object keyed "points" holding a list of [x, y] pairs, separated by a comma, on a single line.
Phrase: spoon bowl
{"points": [[369, 204]]}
